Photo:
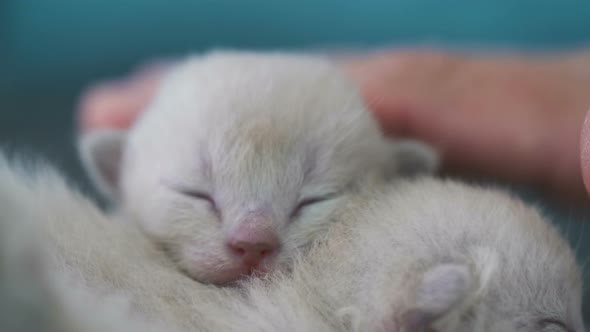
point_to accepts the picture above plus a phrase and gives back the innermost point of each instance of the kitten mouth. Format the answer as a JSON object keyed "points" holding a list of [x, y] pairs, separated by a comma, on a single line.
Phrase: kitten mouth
{"points": [[255, 270], [236, 273], [244, 274], [259, 270]]}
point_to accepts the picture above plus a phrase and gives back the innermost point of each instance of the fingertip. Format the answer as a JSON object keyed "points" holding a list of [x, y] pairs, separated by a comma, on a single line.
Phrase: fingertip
{"points": [[107, 105], [115, 104], [89, 108]]}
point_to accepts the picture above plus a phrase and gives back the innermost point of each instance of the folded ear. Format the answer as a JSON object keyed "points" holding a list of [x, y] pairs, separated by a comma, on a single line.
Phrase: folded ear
{"points": [[411, 157], [101, 155], [442, 288]]}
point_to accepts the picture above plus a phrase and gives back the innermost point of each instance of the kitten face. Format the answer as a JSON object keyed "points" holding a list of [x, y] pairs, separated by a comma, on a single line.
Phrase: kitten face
{"points": [[241, 160]]}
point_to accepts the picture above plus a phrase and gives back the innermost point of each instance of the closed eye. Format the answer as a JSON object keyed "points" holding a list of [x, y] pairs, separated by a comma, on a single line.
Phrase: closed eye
{"points": [[200, 195], [191, 193], [306, 202], [196, 194]]}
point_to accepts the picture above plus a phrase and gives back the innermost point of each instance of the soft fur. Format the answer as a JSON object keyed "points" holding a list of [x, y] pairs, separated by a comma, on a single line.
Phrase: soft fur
{"points": [[409, 256], [259, 134], [65, 262]]}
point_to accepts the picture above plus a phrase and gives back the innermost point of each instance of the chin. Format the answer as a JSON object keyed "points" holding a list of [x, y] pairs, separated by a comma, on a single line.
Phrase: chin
{"points": [[230, 275]]}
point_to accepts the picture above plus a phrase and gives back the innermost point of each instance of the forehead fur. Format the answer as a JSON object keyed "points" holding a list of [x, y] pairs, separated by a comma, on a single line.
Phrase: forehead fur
{"points": [[294, 94], [226, 105]]}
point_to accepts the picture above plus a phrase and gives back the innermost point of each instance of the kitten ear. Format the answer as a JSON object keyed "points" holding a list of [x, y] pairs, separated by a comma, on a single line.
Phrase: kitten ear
{"points": [[411, 158], [101, 154], [442, 288]]}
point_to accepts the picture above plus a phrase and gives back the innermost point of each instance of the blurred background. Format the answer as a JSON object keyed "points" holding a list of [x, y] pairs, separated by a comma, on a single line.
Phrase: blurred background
{"points": [[50, 50]]}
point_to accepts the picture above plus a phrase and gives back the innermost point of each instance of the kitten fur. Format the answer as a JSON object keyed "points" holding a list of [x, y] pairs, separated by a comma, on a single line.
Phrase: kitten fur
{"points": [[415, 255], [238, 142]]}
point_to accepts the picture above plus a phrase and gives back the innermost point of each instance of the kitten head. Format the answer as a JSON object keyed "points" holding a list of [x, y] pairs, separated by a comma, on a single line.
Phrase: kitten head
{"points": [[241, 159]]}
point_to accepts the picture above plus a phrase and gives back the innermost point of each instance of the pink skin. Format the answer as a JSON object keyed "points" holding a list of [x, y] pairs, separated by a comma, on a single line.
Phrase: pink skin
{"points": [[251, 248], [228, 274], [116, 103], [254, 241], [516, 119], [512, 118]]}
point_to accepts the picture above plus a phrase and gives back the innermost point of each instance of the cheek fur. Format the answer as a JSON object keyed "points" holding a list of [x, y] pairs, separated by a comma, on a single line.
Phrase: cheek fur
{"points": [[317, 215], [196, 242], [179, 222], [204, 258], [313, 222]]}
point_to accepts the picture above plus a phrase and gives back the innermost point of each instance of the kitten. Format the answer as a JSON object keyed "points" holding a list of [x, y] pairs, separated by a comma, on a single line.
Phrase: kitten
{"points": [[241, 158], [415, 255]]}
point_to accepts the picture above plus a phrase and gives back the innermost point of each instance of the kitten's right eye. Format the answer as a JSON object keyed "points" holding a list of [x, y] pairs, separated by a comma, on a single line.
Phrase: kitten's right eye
{"points": [[191, 193], [197, 194], [200, 195]]}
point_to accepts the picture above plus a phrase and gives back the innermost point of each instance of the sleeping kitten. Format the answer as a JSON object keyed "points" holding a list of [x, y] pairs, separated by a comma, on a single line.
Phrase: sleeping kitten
{"points": [[241, 158], [420, 255]]}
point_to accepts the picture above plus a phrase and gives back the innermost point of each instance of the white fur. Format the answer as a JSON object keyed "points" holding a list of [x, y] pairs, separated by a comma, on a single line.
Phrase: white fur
{"points": [[258, 132], [422, 254], [521, 268], [44, 268], [84, 272]]}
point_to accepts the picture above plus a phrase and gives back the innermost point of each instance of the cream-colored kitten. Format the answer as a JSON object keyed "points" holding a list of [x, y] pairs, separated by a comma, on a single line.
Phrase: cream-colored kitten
{"points": [[241, 159], [421, 255]]}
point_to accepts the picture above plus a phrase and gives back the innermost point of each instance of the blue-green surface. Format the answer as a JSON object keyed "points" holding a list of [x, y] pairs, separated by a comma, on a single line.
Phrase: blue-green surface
{"points": [[51, 49]]}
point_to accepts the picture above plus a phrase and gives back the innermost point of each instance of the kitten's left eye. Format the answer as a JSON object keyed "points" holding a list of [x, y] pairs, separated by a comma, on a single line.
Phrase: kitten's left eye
{"points": [[309, 201], [192, 193], [200, 195]]}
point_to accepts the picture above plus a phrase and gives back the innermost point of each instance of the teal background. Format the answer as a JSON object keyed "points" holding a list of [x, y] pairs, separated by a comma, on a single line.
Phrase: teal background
{"points": [[51, 49]]}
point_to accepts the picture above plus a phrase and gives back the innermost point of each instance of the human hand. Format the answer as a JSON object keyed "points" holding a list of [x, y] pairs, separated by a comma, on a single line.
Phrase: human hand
{"points": [[516, 119], [510, 118], [117, 103]]}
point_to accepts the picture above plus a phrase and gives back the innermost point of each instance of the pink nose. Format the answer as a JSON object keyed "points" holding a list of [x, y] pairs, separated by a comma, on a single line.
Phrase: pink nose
{"points": [[253, 244]]}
